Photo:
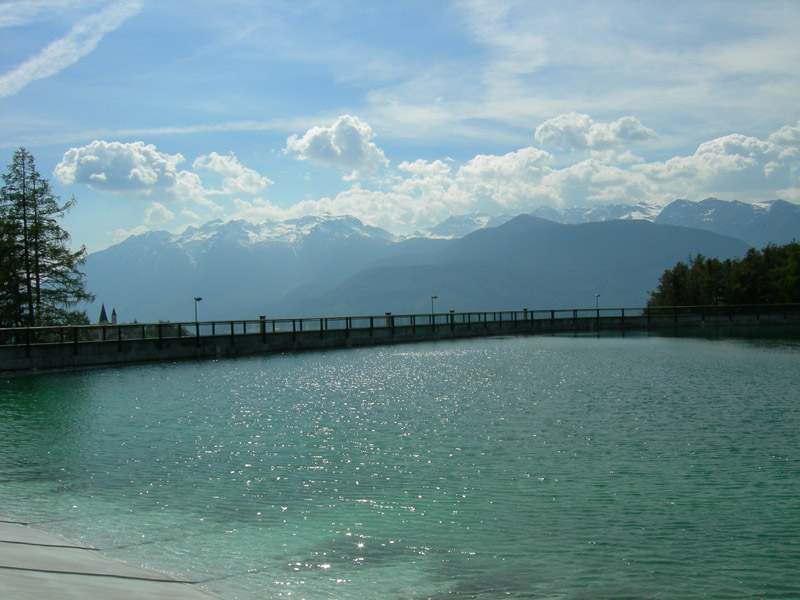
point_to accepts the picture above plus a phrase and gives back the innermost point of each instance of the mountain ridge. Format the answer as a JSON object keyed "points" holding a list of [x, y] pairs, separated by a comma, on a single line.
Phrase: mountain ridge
{"points": [[243, 269]]}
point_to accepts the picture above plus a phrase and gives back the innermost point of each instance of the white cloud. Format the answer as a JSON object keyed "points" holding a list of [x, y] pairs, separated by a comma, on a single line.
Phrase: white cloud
{"points": [[421, 193], [508, 183], [392, 211], [157, 214], [119, 167], [786, 135], [579, 131], [592, 181], [140, 169], [237, 177], [123, 234], [345, 144], [259, 210], [14, 14], [731, 167], [81, 40], [734, 164]]}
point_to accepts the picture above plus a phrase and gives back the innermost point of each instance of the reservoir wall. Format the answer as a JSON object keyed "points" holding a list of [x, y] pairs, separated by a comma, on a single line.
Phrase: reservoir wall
{"points": [[25, 350]]}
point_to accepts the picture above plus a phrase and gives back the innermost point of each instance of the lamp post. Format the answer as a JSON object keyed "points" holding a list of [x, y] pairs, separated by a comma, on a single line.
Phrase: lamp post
{"points": [[597, 304], [432, 299], [196, 300]]}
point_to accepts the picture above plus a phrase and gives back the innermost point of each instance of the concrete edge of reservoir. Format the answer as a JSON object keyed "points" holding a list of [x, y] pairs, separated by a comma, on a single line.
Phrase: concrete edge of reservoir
{"points": [[36, 565], [215, 340]]}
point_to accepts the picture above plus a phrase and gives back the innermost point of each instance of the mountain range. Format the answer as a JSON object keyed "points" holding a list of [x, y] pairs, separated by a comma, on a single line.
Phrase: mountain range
{"points": [[329, 266]]}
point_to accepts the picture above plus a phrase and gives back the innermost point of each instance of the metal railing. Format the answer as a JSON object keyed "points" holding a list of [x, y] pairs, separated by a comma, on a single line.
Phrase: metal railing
{"points": [[73, 334]]}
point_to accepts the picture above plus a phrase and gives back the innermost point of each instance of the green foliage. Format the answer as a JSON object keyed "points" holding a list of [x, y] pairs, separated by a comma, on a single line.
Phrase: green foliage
{"points": [[769, 276], [40, 283]]}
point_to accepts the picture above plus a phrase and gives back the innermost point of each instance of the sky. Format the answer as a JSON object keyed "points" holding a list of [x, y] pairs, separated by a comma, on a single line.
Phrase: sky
{"points": [[166, 114]]}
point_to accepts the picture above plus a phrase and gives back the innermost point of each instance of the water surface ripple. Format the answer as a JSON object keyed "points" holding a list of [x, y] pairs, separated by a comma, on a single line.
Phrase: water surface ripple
{"points": [[541, 467]]}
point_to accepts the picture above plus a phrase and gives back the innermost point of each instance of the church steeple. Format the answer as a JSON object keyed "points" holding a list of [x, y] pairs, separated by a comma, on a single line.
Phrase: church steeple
{"points": [[103, 317]]}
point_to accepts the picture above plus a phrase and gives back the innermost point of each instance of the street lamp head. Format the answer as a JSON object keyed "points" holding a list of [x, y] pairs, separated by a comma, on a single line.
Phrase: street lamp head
{"points": [[197, 299]]}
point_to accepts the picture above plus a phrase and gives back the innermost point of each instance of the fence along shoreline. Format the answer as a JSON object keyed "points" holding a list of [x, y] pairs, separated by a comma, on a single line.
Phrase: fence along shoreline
{"points": [[41, 349]]}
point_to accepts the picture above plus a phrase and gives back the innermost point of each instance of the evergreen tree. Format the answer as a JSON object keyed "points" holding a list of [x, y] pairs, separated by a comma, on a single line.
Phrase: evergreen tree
{"points": [[40, 283], [771, 276]]}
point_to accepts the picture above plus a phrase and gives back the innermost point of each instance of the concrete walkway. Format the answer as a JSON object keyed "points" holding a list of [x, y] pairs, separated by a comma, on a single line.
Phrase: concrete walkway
{"points": [[38, 565]]}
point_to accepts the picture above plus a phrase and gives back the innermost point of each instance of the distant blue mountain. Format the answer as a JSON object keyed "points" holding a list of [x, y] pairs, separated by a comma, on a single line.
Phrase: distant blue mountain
{"points": [[776, 221], [325, 266], [525, 263], [238, 268]]}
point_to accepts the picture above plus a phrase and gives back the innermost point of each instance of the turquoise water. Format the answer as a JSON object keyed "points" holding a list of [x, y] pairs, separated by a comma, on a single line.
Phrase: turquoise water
{"points": [[538, 467]]}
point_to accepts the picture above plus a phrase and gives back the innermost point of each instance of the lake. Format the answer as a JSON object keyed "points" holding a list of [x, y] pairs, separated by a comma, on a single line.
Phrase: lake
{"points": [[568, 467]]}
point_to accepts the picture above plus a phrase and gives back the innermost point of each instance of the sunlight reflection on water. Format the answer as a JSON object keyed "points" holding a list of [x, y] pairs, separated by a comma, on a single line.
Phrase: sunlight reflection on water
{"points": [[559, 467]]}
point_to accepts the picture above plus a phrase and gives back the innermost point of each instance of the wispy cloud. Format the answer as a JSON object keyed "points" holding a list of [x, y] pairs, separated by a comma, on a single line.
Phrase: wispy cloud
{"points": [[81, 40], [14, 14]]}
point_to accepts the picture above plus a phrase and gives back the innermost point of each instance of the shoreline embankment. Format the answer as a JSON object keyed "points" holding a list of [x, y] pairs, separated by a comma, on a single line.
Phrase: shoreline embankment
{"points": [[35, 564], [43, 349]]}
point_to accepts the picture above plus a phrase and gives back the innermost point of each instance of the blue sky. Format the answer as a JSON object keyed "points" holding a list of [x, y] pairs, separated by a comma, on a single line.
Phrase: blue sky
{"points": [[161, 115]]}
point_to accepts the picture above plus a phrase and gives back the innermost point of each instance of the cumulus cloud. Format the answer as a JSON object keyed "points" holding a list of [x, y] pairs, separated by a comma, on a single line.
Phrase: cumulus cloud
{"points": [[345, 144], [139, 168], [732, 163], [81, 40], [788, 134], [158, 214], [506, 183], [579, 131], [730, 167], [430, 177], [119, 167], [236, 177], [421, 193]]}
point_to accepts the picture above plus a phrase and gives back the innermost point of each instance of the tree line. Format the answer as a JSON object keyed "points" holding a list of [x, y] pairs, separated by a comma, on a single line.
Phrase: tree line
{"points": [[768, 276], [40, 278]]}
